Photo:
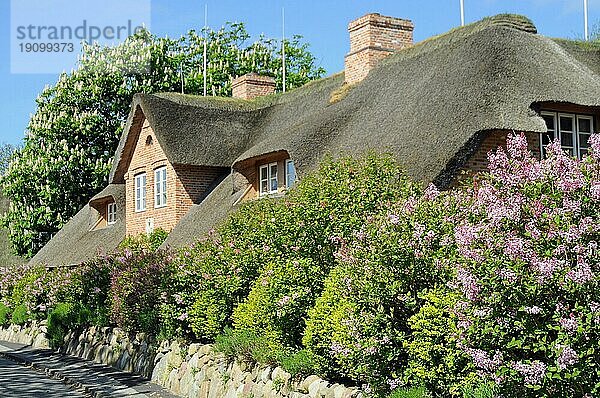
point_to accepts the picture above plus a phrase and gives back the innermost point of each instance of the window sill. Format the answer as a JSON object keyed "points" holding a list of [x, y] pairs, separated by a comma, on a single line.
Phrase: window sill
{"points": [[274, 194], [160, 207]]}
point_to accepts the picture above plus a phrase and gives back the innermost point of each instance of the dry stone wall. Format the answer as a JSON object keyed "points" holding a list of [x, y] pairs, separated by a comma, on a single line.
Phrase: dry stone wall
{"points": [[189, 371]]}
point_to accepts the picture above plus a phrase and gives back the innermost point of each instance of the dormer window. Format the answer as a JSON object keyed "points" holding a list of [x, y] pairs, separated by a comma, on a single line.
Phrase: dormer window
{"points": [[572, 130], [268, 179], [160, 187], [111, 213], [140, 192]]}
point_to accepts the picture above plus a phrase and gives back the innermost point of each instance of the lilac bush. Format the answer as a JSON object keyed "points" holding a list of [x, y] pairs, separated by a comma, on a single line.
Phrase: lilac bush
{"points": [[33, 288], [528, 272], [359, 326], [137, 281]]}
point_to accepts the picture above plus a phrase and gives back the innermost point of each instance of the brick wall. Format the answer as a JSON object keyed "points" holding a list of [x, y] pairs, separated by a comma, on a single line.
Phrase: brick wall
{"points": [[372, 38], [186, 185], [252, 85], [478, 161], [194, 183]]}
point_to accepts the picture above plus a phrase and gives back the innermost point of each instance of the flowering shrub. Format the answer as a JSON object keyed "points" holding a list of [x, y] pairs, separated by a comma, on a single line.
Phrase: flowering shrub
{"points": [[360, 323], [270, 236], [279, 300], [528, 272], [208, 279], [34, 288], [136, 285], [490, 287], [89, 288], [434, 357]]}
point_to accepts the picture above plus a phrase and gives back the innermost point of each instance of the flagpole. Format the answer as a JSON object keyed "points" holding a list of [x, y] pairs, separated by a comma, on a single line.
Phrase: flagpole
{"points": [[205, 49], [585, 20], [462, 12], [283, 44]]}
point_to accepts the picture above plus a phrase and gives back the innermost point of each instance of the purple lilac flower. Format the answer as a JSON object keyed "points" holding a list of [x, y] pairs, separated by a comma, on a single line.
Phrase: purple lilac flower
{"points": [[595, 191], [418, 231], [338, 349], [533, 372], [516, 146], [409, 205], [482, 359], [569, 324], [394, 383], [567, 357], [582, 274], [431, 192], [594, 143], [468, 283], [507, 274], [571, 206], [183, 316], [516, 248], [546, 268]]}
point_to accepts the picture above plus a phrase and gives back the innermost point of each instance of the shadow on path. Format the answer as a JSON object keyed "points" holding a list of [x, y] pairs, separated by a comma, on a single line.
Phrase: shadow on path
{"points": [[95, 379]]}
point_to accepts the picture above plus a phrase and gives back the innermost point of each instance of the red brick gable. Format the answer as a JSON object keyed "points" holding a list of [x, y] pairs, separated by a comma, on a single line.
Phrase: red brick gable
{"points": [[186, 184]]}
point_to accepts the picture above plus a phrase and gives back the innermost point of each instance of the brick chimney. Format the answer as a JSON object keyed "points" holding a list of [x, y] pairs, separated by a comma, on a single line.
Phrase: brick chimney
{"points": [[252, 85], [372, 38]]}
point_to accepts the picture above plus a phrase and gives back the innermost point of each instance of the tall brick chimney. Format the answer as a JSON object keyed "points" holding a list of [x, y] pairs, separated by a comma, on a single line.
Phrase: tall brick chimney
{"points": [[252, 85], [372, 38]]}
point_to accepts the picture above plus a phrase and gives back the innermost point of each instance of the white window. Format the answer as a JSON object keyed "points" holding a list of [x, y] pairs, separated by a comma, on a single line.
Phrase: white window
{"points": [[160, 187], [290, 173], [573, 132], [140, 192], [111, 213], [268, 179]]}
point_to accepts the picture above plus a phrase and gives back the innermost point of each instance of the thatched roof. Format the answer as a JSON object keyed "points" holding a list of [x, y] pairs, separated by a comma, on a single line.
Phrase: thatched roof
{"points": [[76, 242], [429, 105], [424, 104], [191, 130]]}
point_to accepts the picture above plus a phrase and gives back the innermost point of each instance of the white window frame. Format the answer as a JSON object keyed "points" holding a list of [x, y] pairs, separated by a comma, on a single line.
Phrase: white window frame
{"points": [[140, 192], [557, 133], [269, 179], [554, 133], [160, 187], [111, 213], [579, 133], [573, 132], [287, 182]]}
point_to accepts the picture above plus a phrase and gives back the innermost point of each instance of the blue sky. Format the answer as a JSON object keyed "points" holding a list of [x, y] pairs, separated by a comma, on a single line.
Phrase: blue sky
{"points": [[323, 24]]}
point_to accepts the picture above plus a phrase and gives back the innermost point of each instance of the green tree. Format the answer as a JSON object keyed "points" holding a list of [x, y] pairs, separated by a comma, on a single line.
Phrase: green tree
{"points": [[72, 136]]}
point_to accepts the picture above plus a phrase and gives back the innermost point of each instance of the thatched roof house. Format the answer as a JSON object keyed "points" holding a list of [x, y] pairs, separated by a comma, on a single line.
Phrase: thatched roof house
{"points": [[439, 106]]}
